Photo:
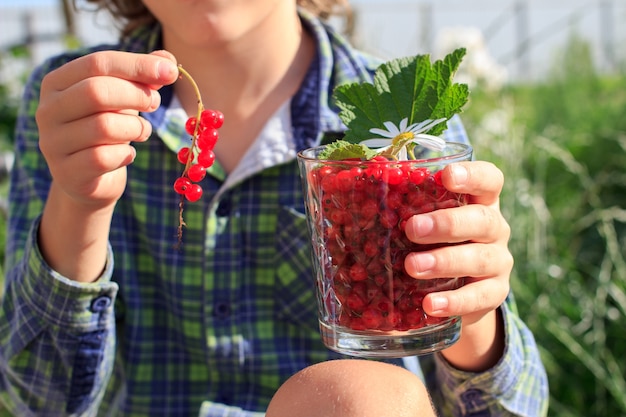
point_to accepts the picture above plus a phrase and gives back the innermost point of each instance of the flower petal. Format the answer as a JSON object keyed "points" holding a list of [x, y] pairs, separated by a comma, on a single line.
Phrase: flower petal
{"points": [[376, 142], [382, 133], [402, 125], [392, 128], [427, 125], [412, 127], [431, 142]]}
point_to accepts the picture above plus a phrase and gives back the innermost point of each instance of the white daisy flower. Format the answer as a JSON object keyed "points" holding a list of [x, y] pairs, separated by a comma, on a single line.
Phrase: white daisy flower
{"points": [[428, 141]]}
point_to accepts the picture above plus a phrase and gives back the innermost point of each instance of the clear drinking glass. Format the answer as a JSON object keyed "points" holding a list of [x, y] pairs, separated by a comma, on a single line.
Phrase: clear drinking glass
{"points": [[356, 211]]}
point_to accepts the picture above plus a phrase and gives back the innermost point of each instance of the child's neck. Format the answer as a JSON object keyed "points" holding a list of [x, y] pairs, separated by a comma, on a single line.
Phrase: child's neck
{"points": [[248, 80]]}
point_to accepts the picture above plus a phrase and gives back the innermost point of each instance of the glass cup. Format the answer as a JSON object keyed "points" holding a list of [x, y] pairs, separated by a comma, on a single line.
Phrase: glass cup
{"points": [[356, 212]]}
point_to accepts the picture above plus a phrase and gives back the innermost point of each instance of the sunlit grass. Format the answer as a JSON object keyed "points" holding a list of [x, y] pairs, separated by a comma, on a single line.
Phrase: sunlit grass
{"points": [[565, 198]]}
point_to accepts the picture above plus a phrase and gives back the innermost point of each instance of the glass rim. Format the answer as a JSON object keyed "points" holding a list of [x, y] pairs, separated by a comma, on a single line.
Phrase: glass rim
{"points": [[463, 150]]}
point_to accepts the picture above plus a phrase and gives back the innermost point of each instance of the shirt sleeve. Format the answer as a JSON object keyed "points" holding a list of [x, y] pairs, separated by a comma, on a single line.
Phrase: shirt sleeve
{"points": [[57, 336], [455, 131], [516, 386]]}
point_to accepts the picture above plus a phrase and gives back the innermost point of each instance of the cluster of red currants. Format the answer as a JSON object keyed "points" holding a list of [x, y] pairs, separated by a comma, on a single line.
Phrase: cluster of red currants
{"points": [[199, 155], [364, 208]]}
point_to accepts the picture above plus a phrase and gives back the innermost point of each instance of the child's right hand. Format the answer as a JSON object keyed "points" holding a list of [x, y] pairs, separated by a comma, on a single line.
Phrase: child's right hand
{"points": [[88, 116]]}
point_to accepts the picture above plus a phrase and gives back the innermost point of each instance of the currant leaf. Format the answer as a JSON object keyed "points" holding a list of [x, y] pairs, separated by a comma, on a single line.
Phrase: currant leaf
{"points": [[340, 150], [408, 87]]}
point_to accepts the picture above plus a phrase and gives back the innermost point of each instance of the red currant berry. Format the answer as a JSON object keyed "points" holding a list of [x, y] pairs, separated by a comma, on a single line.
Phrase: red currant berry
{"points": [[374, 171], [380, 158], [183, 155], [388, 219], [370, 248], [345, 179], [358, 272], [369, 209], [196, 173], [438, 178], [418, 175], [206, 117], [206, 158], [219, 119], [393, 175], [328, 183], [394, 200], [207, 139], [211, 119], [413, 318], [355, 303], [372, 318], [193, 193], [190, 125], [181, 185]]}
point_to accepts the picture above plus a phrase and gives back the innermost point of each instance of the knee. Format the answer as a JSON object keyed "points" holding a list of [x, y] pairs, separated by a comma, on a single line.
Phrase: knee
{"points": [[352, 388]]}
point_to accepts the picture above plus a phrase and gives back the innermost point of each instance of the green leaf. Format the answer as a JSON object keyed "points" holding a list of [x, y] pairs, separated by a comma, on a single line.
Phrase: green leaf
{"points": [[409, 87], [341, 150]]}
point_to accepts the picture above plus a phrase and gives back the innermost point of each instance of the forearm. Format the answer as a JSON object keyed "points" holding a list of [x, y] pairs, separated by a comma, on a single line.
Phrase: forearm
{"points": [[73, 238]]}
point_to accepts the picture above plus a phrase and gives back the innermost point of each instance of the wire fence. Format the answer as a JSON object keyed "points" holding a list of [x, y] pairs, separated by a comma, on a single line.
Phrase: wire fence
{"points": [[522, 36]]}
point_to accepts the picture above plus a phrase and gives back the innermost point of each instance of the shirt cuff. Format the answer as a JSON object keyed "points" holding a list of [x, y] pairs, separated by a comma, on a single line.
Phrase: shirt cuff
{"points": [[60, 301], [496, 388]]}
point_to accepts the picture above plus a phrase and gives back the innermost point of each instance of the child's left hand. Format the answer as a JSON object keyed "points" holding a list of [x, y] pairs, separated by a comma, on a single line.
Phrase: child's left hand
{"points": [[480, 254]]}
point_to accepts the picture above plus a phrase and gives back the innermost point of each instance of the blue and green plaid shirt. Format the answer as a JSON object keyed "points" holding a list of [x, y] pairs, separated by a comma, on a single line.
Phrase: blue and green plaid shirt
{"points": [[212, 328]]}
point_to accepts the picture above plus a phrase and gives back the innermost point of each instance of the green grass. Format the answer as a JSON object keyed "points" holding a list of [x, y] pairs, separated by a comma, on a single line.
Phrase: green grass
{"points": [[562, 147]]}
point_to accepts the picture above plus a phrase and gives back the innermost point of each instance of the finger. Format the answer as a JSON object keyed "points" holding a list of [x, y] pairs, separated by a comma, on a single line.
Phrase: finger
{"points": [[474, 222], [482, 180], [472, 259], [100, 129], [100, 94], [151, 69], [167, 55], [475, 298], [93, 164]]}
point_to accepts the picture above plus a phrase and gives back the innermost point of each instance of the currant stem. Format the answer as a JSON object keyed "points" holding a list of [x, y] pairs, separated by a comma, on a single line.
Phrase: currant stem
{"points": [[183, 72], [194, 138]]}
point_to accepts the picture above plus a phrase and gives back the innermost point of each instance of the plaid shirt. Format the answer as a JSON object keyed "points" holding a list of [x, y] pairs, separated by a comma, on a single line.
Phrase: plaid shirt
{"points": [[212, 328]]}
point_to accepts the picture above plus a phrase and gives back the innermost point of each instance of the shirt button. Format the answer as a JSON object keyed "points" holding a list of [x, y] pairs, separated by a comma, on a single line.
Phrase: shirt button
{"points": [[473, 398], [100, 304], [221, 310]]}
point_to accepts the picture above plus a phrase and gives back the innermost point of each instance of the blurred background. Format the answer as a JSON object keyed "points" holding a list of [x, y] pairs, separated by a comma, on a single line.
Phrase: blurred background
{"points": [[548, 106]]}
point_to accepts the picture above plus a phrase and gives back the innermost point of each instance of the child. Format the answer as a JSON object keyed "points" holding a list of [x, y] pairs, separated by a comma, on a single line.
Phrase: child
{"points": [[103, 316]]}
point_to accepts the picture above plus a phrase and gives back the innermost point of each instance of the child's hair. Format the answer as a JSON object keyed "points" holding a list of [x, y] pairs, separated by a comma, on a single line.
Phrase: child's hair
{"points": [[132, 14]]}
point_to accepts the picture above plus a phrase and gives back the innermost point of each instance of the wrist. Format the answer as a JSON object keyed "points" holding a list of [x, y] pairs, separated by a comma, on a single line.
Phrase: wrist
{"points": [[481, 344], [73, 236]]}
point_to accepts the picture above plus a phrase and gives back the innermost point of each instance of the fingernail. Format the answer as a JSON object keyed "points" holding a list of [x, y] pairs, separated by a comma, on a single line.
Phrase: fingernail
{"points": [[424, 261], [439, 303], [166, 69], [155, 100], [423, 225], [459, 174]]}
